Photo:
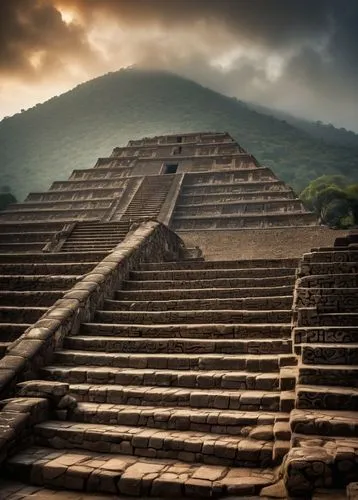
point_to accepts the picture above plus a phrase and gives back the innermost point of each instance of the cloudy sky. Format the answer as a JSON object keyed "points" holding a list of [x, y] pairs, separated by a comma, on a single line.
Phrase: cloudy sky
{"points": [[297, 55]]}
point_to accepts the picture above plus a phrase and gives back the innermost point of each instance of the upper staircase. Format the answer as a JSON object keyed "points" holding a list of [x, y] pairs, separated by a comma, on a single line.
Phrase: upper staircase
{"points": [[149, 198], [95, 236]]}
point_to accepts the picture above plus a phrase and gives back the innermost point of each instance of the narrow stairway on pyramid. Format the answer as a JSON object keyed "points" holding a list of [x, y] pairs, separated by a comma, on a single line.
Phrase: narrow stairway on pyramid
{"points": [[183, 382], [149, 198]]}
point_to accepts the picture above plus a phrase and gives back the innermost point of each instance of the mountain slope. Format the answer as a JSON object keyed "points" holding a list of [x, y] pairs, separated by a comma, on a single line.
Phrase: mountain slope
{"points": [[324, 131], [47, 142]]}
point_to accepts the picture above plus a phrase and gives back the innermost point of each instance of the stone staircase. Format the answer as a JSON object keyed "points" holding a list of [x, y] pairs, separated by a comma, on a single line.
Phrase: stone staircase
{"points": [[95, 236], [184, 382], [26, 237], [32, 282], [324, 422], [149, 198]]}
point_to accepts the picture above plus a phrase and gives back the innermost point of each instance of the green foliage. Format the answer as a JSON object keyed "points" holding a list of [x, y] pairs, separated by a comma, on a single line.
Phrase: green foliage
{"points": [[47, 142], [333, 200]]}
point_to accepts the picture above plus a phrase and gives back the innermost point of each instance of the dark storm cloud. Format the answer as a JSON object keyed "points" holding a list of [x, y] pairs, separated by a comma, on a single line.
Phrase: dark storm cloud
{"points": [[34, 38], [273, 23], [27, 26]]}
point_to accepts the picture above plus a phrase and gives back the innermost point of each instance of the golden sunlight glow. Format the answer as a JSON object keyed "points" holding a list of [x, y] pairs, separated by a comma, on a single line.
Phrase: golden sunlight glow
{"points": [[36, 58], [68, 16]]}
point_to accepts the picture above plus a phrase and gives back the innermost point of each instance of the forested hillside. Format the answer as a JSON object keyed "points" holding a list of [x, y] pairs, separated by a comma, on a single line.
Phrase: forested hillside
{"points": [[47, 142], [319, 130]]}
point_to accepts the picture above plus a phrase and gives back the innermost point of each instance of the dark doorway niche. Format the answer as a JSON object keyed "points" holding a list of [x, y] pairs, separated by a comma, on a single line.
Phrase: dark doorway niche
{"points": [[170, 168]]}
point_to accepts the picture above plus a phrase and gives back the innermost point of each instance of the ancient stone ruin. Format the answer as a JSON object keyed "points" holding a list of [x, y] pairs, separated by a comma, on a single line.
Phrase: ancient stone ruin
{"points": [[174, 323]]}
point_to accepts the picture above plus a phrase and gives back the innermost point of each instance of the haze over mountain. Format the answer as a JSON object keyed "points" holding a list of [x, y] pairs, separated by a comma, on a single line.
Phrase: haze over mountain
{"points": [[47, 142]]}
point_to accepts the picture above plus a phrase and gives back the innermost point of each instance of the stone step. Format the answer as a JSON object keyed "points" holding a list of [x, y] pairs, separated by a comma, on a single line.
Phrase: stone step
{"points": [[22, 247], [210, 283], [313, 317], [220, 264], [329, 281], [244, 221], [316, 268], [99, 225], [13, 314], [35, 258], [232, 206], [104, 227], [244, 400], [348, 443], [326, 397], [212, 274], [215, 379], [239, 209], [339, 453], [87, 247], [96, 233], [330, 354], [96, 236], [325, 334], [236, 196], [273, 302], [34, 298], [171, 346], [24, 227], [81, 246], [11, 331], [80, 242], [197, 331], [100, 240], [38, 282], [253, 363], [328, 299], [324, 422], [48, 268], [184, 419], [129, 475], [333, 255], [181, 445], [26, 237], [332, 375], [200, 316], [203, 293], [99, 231]]}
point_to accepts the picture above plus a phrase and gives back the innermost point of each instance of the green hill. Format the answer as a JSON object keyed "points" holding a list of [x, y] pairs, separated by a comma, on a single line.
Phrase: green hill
{"points": [[47, 142], [324, 131]]}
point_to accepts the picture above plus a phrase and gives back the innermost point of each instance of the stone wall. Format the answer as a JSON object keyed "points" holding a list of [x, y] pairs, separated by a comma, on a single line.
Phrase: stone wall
{"points": [[260, 243], [151, 241]]}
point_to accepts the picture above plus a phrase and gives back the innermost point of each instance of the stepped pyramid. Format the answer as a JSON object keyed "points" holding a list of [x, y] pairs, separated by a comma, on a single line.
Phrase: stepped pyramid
{"points": [[133, 366], [190, 182]]}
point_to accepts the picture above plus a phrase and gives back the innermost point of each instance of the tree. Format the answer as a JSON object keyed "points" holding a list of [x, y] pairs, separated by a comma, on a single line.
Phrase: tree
{"points": [[352, 192], [335, 203], [6, 197]]}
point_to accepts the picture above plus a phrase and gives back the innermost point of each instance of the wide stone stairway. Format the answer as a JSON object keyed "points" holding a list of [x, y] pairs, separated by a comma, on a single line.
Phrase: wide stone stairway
{"points": [[184, 382], [32, 282]]}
